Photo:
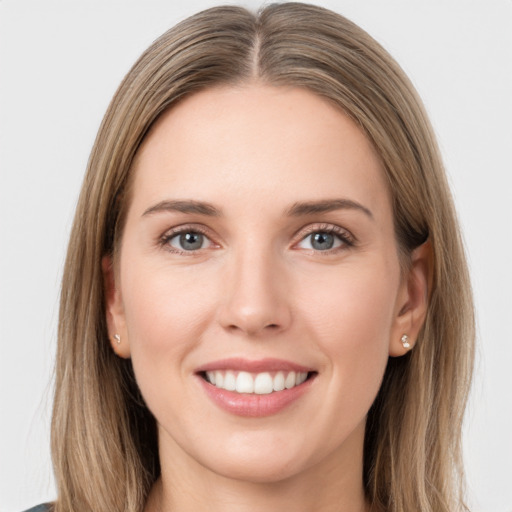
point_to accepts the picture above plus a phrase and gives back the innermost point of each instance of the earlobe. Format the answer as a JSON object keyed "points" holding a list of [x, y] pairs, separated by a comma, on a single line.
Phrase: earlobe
{"points": [[413, 301], [114, 310]]}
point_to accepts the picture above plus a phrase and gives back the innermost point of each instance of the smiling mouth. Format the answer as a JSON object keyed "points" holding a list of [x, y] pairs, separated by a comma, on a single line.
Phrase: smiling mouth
{"points": [[262, 383]]}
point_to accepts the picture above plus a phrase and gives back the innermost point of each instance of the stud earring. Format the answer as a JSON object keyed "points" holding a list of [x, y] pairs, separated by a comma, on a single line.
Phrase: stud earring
{"points": [[405, 341], [117, 338]]}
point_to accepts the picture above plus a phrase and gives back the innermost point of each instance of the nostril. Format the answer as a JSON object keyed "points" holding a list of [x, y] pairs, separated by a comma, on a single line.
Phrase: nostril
{"points": [[254, 330], [272, 327]]}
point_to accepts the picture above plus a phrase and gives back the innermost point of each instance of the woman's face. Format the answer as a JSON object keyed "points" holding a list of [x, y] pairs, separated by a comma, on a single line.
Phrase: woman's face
{"points": [[258, 251]]}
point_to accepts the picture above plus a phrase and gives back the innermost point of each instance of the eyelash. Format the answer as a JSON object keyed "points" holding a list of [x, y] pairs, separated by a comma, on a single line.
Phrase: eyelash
{"points": [[346, 238], [179, 230]]}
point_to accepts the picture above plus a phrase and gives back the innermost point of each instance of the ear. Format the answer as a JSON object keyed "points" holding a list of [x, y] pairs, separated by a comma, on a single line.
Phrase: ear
{"points": [[413, 299], [116, 323]]}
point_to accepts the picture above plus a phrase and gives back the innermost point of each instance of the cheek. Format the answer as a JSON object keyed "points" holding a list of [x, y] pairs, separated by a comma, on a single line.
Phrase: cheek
{"points": [[165, 316], [157, 295], [350, 317], [350, 314], [355, 303]]}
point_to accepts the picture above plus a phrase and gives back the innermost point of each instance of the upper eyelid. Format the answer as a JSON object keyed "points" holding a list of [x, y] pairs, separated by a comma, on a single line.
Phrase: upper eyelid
{"points": [[183, 228], [320, 227]]}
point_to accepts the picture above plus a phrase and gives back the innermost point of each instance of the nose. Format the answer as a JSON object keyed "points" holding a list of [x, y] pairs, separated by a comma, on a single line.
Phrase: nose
{"points": [[256, 301]]}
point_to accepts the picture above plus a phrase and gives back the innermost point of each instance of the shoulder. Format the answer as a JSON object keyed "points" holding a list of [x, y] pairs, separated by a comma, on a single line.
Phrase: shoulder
{"points": [[40, 508]]}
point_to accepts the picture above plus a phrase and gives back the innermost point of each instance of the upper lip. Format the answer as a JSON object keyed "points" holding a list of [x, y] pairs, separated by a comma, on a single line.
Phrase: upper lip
{"points": [[253, 366]]}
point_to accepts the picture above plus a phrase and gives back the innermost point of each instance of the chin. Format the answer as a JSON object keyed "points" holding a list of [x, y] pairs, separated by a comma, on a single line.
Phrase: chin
{"points": [[261, 461], [259, 471]]}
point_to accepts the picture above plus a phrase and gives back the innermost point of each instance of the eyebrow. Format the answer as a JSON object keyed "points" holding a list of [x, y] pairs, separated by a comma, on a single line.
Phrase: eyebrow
{"points": [[184, 206], [298, 209], [324, 206]]}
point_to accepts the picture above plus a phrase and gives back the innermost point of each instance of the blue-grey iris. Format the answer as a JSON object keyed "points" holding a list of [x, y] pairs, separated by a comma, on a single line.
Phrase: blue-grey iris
{"points": [[191, 241], [322, 241]]}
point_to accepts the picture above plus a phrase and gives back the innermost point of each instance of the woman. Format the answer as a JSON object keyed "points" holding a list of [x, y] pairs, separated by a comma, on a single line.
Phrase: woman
{"points": [[265, 302]]}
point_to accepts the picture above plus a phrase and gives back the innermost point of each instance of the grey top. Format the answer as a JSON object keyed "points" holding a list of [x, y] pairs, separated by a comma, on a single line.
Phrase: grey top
{"points": [[39, 508]]}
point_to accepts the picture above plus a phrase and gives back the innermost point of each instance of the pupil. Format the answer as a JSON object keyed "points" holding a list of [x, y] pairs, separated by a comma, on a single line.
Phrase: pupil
{"points": [[322, 241], [191, 241]]}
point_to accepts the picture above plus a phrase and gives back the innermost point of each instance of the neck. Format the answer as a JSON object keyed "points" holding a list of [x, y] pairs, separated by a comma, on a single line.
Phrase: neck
{"points": [[333, 484]]}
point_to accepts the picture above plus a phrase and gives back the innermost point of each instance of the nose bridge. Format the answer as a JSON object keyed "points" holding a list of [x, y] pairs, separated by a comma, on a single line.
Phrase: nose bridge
{"points": [[255, 301]]}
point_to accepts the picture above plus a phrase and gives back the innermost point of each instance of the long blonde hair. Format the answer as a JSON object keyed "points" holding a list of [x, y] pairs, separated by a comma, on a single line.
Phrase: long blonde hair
{"points": [[104, 441]]}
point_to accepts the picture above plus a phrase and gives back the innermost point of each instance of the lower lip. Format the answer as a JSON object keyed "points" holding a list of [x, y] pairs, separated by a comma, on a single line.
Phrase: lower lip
{"points": [[253, 405]]}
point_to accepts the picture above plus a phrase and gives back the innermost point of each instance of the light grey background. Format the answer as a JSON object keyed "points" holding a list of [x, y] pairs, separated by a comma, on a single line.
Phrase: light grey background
{"points": [[60, 63]]}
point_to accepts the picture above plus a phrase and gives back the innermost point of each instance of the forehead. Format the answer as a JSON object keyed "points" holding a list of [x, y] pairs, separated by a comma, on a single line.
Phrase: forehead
{"points": [[284, 144]]}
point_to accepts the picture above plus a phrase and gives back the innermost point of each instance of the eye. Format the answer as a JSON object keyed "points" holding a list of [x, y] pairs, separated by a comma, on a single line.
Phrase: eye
{"points": [[325, 240], [320, 241], [188, 241]]}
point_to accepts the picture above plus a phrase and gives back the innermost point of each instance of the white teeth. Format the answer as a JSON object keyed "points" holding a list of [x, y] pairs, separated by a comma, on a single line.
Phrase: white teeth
{"points": [[263, 384], [301, 377], [244, 383], [279, 381], [230, 381], [290, 380], [260, 383]]}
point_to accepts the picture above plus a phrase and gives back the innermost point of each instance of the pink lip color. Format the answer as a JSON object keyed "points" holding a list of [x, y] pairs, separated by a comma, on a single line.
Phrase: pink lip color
{"points": [[248, 404], [261, 365]]}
